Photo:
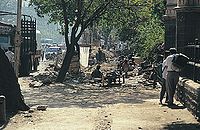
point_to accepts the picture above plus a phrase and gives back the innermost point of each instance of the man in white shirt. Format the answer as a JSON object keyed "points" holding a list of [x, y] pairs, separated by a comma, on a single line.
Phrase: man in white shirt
{"points": [[172, 76], [10, 55], [164, 77]]}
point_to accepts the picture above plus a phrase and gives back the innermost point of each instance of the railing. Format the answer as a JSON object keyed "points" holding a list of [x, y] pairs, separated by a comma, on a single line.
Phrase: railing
{"points": [[192, 69], [188, 3]]}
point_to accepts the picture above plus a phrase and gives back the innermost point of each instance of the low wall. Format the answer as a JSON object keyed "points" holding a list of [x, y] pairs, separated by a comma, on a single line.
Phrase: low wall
{"points": [[188, 93]]}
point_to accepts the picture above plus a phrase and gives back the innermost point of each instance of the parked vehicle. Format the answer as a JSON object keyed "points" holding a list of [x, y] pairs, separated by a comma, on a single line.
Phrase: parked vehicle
{"points": [[52, 52]]}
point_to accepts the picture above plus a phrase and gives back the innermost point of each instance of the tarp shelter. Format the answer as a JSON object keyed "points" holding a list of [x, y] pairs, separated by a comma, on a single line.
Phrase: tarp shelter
{"points": [[84, 54]]}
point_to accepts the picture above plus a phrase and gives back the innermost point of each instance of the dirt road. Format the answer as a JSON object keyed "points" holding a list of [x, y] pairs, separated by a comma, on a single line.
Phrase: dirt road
{"points": [[76, 106], [146, 116]]}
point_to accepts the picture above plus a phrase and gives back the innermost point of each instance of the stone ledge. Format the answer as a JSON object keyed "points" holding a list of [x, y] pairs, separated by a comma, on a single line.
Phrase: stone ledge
{"points": [[188, 93]]}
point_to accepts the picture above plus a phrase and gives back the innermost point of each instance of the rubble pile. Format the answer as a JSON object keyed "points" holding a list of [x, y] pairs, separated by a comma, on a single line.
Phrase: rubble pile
{"points": [[43, 78], [48, 76], [80, 89]]}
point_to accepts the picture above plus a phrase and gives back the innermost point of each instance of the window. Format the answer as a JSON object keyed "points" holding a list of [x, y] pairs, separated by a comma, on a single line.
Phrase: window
{"points": [[4, 42], [4, 39]]}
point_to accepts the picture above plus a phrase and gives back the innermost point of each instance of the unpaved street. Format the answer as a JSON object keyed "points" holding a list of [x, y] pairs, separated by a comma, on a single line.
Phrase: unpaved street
{"points": [[75, 106], [147, 116]]}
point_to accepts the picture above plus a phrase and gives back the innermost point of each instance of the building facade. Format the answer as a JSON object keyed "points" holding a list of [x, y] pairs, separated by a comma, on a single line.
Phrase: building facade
{"points": [[188, 23], [170, 24], [182, 26]]}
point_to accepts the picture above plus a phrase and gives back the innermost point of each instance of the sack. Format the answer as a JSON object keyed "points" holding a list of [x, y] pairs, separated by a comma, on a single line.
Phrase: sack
{"points": [[180, 60]]}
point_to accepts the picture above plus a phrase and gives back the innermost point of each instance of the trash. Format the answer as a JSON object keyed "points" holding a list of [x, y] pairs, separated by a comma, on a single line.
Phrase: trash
{"points": [[35, 84]]}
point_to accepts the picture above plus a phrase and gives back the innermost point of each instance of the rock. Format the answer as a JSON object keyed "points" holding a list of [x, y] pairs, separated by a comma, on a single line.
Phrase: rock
{"points": [[38, 84], [51, 65], [75, 81], [31, 110], [42, 107], [35, 84], [85, 81], [23, 112], [31, 85], [47, 81], [71, 91], [91, 81], [28, 115]]}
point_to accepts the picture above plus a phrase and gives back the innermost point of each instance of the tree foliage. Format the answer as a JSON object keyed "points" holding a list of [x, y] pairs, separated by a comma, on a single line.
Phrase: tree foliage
{"points": [[121, 19], [149, 34], [150, 31], [74, 16], [138, 23]]}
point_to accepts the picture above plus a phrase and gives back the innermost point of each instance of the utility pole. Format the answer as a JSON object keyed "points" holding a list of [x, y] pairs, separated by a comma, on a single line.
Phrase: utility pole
{"points": [[18, 37]]}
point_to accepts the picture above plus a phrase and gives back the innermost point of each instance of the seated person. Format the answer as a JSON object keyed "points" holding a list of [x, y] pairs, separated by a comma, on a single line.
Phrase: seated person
{"points": [[97, 74], [92, 61], [112, 76]]}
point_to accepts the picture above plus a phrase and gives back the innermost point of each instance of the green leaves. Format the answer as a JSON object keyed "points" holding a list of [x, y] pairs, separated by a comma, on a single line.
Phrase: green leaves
{"points": [[149, 29], [150, 34], [138, 22]]}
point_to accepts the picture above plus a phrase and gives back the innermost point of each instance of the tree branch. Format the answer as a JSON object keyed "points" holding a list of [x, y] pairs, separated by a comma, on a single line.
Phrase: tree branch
{"points": [[79, 18], [66, 22], [97, 13], [85, 11]]}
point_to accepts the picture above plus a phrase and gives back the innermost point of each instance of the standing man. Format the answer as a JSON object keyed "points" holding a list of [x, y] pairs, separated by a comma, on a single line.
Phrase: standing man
{"points": [[99, 56], [125, 67], [10, 56], [172, 76], [164, 77]]}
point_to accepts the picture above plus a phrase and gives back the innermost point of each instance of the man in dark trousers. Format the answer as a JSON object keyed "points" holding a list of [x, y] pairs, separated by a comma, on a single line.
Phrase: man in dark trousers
{"points": [[164, 77], [100, 56], [172, 76]]}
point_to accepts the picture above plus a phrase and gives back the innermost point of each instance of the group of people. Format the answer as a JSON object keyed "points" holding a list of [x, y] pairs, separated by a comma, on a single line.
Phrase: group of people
{"points": [[124, 65], [170, 75]]}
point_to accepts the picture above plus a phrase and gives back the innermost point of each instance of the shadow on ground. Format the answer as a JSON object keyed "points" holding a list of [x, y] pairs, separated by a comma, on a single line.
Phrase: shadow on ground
{"points": [[182, 126], [86, 96]]}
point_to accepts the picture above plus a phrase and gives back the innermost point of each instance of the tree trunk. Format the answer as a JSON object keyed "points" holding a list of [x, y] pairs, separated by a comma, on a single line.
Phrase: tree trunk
{"points": [[106, 40], [65, 65], [9, 86], [78, 50]]}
